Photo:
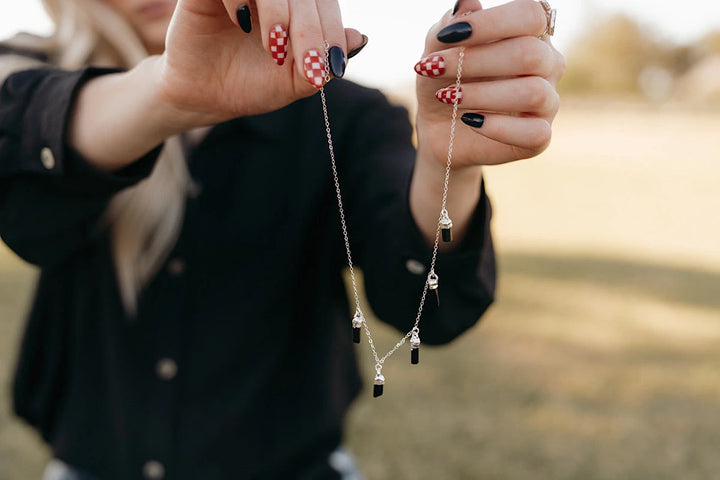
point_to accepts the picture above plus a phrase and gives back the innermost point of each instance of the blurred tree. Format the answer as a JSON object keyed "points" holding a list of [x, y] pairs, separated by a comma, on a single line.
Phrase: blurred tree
{"points": [[611, 56], [678, 59], [710, 43]]}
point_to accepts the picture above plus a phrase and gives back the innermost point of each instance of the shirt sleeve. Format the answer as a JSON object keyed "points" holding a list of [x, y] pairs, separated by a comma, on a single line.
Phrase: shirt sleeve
{"points": [[51, 198], [391, 250]]}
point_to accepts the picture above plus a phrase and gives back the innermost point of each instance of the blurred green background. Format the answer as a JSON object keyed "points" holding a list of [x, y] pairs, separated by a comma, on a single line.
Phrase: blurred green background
{"points": [[601, 356]]}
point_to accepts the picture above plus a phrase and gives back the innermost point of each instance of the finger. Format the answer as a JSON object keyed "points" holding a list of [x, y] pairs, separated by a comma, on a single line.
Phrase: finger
{"points": [[334, 33], [514, 19], [356, 41], [244, 18], [307, 42], [462, 7], [511, 57], [239, 11], [527, 95], [274, 18], [560, 64], [532, 135]]}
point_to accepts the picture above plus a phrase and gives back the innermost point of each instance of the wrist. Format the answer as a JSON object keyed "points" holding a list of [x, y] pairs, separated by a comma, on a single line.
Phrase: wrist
{"points": [[118, 118], [172, 115], [430, 173], [426, 191]]}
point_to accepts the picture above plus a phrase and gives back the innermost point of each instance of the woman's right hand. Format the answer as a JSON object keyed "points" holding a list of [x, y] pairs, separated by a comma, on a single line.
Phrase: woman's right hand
{"points": [[212, 70]]}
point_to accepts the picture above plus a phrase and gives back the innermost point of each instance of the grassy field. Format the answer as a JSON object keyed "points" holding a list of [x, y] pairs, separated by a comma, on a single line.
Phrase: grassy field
{"points": [[601, 357]]}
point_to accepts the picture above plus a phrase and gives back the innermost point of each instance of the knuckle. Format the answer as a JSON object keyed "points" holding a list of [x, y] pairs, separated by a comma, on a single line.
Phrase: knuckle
{"points": [[534, 56], [539, 138], [538, 94], [555, 103], [561, 63]]}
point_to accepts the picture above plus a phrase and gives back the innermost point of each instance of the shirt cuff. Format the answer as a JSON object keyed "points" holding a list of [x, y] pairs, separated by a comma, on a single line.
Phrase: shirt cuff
{"points": [[469, 269], [44, 149], [83, 177]]}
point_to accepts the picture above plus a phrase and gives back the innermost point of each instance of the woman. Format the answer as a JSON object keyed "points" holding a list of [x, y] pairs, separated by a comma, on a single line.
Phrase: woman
{"points": [[190, 319]]}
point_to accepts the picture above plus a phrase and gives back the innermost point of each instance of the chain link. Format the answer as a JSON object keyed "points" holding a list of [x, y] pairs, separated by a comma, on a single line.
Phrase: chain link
{"points": [[379, 361]]}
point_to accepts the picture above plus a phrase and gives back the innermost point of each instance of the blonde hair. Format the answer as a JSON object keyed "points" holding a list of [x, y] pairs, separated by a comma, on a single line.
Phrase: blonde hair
{"points": [[146, 218]]}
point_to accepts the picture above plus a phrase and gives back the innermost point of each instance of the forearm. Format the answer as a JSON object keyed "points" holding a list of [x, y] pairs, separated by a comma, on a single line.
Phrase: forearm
{"points": [[120, 117], [51, 197], [426, 190]]}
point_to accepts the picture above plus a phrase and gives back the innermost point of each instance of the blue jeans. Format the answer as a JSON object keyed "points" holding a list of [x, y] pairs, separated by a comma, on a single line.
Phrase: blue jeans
{"points": [[341, 460]]}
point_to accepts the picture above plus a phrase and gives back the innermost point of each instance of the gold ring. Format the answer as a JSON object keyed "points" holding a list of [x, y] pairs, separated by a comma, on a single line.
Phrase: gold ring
{"points": [[550, 15]]}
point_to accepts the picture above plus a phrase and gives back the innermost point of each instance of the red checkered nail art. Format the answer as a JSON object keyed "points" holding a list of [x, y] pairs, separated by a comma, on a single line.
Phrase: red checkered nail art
{"points": [[278, 44], [314, 65], [432, 66], [449, 94]]}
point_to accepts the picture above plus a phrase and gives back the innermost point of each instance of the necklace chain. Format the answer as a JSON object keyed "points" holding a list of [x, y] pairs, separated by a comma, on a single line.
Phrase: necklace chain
{"points": [[380, 361]]}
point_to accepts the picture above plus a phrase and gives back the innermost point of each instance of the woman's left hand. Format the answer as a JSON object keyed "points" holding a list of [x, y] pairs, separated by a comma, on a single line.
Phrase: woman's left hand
{"points": [[509, 81]]}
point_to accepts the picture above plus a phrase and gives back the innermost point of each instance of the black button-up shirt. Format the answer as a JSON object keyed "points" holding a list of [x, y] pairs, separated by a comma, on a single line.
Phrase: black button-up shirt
{"points": [[240, 362]]}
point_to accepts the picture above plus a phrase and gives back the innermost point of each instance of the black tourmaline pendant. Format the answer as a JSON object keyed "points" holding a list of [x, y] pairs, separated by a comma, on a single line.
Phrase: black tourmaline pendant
{"points": [[446, 227], [378, 385], [357, 324], [433, 285], [415, 349]]}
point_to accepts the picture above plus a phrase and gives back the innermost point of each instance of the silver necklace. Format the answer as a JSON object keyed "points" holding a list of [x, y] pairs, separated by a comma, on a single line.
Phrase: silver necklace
{"points": [[443, 231]]}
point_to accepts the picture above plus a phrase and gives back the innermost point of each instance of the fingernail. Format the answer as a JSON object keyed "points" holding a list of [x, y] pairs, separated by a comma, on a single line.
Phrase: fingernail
{"points": [[449, 94], [456, 7], [243, 18], [357, 50], [455, 32], [474, 120], [433, 66], [278, 44], [336, 57], [314, 65]]}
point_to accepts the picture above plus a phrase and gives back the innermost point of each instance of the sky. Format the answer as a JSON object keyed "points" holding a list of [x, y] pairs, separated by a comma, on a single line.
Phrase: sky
{"points": [[397, 28]]}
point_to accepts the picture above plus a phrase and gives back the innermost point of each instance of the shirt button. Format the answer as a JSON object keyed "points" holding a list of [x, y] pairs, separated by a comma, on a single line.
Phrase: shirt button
{"points": [[415, 267], [166, 369], [176, 266], [153, 470], [47, 158]]}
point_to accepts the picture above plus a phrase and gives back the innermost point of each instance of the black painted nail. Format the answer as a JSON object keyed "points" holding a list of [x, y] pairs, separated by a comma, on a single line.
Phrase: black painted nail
{"points": [[455, 32], [357, 50], [457, 6], [474, 120], [243, 18], [336, 57]]}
